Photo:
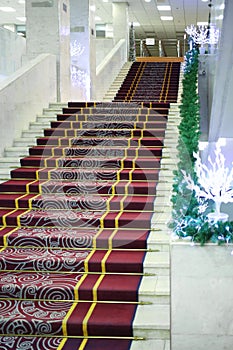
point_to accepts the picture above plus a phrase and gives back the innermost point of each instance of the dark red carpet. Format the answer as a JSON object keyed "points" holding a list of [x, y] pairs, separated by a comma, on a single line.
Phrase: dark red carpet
{"points": [[75, 218]]}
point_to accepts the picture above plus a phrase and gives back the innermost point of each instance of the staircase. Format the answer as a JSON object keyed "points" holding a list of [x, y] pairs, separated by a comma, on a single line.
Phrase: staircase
{"points": [[85, 246], [111, 93], [19, 149]]}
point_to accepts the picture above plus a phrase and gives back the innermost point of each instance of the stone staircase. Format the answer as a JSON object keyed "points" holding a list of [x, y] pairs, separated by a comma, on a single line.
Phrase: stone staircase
{"points": [[19, 149], [152, 319], [109, 96]]}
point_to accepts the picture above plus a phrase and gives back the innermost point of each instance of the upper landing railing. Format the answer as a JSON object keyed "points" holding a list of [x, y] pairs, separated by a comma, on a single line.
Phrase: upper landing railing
{"points": [[161, 48]]}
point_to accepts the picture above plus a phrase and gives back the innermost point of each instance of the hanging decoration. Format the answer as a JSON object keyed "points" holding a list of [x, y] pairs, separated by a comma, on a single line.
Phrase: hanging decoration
{"points": [[132, 46], [202, 35]]}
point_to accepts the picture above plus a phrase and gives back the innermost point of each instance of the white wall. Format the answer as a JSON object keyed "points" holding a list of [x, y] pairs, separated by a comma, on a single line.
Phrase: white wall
{"points": [[24, 95], [221, 121], [103, 47], [12, 49], [109, 69], [201, 297]]}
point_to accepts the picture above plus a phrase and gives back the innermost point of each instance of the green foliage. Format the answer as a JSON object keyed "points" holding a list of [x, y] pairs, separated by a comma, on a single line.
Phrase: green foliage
{"points": [[189, 220], [184, 201], [200, 230]]}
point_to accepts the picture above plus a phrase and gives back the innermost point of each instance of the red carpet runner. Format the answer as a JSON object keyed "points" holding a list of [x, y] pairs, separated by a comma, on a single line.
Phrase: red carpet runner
{"points": [[74, 219]]}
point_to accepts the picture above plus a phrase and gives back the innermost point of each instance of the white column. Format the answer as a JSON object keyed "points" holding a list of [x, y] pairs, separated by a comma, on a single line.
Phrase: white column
{"points": [[221, 120], [121, 23], [48, 29], [83, 53]]}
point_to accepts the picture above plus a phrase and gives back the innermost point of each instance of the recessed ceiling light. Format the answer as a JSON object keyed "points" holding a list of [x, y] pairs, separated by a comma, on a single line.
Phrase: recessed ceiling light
{"points": [[135, 24], [7, 9], [147, 0], [202, 23], [9, 27], [22, 19], [204, 0], [92, 8], [97, 18], [21, 1], [166, 18], [164, 7]]}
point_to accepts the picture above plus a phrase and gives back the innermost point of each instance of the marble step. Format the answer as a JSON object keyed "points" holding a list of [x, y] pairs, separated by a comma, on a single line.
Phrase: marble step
{"points": [[28, 137], [32, 133], [57, 105], [17, 151], [43, 118], [115, 86], [39, 125], [24, 141], [158, 240], [155, 289], [4, 174], [157, 262], [153, 344], [12, 162], [51, 111], [152, 322], [4, 171]]}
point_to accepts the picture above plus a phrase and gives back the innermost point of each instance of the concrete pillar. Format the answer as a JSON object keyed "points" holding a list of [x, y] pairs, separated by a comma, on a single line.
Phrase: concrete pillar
{"points": [[121, 23], [221, 121], [83, 52], [48, 29]]}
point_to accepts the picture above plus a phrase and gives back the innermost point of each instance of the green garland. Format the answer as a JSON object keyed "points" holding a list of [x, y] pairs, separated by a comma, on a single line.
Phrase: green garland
{"points": [[188, 219], [184, 201]]}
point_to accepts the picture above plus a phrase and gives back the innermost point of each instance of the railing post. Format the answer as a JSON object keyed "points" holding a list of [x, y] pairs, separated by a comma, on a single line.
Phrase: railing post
{"points": [[184, 45], [160, 48], [178, 48], [141, 48]]}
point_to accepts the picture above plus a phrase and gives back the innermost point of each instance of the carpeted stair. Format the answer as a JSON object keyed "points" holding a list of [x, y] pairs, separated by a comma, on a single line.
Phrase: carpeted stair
{"points": [[150, 81], [75, 218]]}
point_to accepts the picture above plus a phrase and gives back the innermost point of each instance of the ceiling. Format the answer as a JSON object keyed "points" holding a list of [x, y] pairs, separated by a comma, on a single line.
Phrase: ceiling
{"points": [[184, 13]]}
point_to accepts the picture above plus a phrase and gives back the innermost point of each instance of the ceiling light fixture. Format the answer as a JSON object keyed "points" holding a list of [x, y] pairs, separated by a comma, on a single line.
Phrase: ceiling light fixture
{"points": [[166, 18], [222, 7], [164, 7], [7, 9], [147, 0], [92, 8], [202, 23], [22, 19], [135, 24], [204, 0]]}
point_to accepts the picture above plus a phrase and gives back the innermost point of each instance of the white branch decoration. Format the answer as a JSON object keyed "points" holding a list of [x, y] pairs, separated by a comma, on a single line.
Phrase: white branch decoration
{"points": [[198, 34], [202, 35], [215, 182], [213, 35]]}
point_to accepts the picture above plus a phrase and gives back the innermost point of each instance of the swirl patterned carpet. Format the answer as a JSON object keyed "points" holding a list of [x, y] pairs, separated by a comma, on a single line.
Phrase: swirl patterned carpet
{"points": [[74, 219]]}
